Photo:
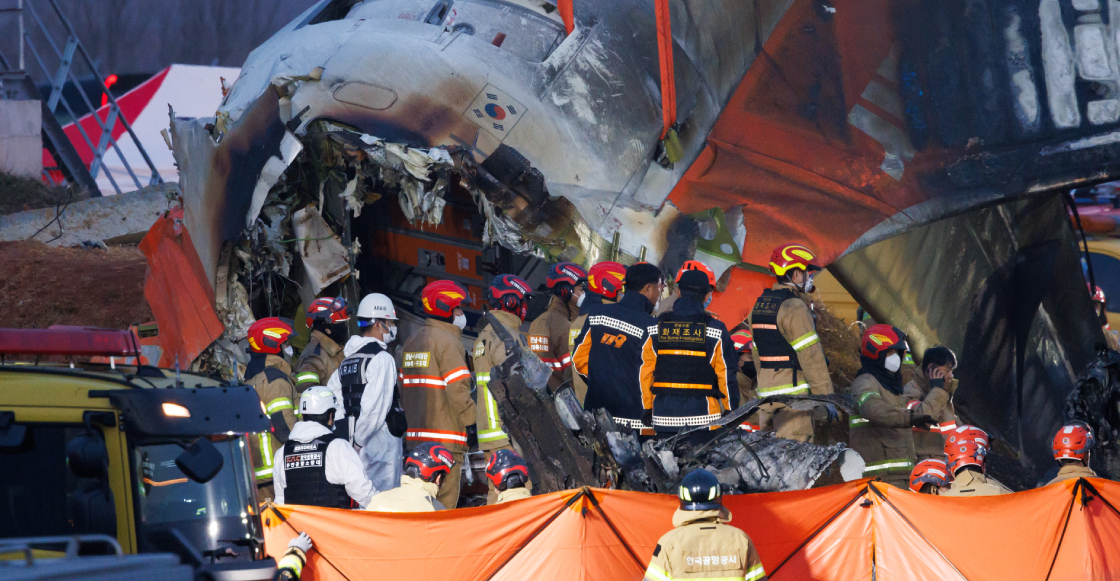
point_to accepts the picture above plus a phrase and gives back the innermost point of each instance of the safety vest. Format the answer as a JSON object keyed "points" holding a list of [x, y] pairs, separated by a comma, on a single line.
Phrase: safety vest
{"points": [[683, 366], [305, 472], [774, 352], [352, 379]]}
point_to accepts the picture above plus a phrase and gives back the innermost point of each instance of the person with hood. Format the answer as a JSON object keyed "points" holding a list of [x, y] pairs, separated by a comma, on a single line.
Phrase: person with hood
{"points": [[548, 334], [604, 283], [936, 371], [609, 348], [327, 318], [270, 375], [880, 431], [689, 361], [702, 545], [366, 383]]}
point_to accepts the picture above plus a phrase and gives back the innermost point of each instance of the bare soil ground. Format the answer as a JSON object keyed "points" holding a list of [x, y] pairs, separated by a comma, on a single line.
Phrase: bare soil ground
{"points": [[42, 286]]}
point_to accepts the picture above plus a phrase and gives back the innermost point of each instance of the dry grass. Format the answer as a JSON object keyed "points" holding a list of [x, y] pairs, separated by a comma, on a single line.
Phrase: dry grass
{"points": [[841, 347], [18, 194], [42, 286]]}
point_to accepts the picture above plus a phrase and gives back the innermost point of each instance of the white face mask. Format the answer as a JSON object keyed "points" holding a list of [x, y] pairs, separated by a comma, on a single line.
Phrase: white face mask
{"points": [[807, 286], [893, 362], [390, 333], [460, 321], [289, 351], [579, 301]]}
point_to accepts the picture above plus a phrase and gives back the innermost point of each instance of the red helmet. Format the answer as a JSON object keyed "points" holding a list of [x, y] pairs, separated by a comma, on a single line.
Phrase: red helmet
{"points": [[506, 470], [789, 256], [743, 340], [967, 433], [930, 472], [1074, 441], [1097, 294], [429, 460], [565, 272], [267, 335], [442, 296], [606, 278], [328, 310], [878, 339], [508, 293], [696, 265]]}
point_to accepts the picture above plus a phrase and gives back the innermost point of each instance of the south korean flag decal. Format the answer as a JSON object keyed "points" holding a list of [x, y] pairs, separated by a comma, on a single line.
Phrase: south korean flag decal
{"points": [[495, 112]]}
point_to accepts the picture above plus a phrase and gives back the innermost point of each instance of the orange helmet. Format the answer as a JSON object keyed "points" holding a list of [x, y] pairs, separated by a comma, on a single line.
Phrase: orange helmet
{"points": [[789, 256], [966, 446], [267, 335], [1097, 294], [1074, 441], [880, 338], [328, 310], [930, 471], [605, 279], [442, 296], [743, 340], [696, 265], [967, 433]]}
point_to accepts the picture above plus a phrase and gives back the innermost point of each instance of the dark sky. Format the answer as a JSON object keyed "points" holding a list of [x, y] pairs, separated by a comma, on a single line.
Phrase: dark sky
{"points": [[144, 36]]}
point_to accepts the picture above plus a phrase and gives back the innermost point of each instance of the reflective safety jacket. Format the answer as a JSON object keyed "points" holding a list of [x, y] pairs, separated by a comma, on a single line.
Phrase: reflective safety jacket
{"points": [[413, 495], [703, 546], [436, 393], [931, 443], [972, 483], [881, 433], [512, 494], [318, 362], [791, 360], [271, 377], [591, 303], [609, 355], [548, 338], [490, 352], [1073, 472], [689, 368]]}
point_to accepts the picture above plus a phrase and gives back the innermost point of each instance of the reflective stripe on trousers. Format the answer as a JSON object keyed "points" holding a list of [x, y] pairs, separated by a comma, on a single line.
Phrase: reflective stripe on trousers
{"points": [[493, 432], [892, 465], [787, 389]]}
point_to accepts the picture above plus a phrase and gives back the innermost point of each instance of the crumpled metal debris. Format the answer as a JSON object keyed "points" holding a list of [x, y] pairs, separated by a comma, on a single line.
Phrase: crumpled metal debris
{"points": [[325, 259], [230, 297]]}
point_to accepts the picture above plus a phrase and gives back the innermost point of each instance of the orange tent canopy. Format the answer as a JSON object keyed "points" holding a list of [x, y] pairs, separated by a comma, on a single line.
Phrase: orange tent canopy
{"points": [[1069, 530]]}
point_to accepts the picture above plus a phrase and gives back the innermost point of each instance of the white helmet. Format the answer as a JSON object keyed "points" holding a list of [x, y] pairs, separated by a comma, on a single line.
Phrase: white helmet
{"points": [[317, 400], [377, 306]]}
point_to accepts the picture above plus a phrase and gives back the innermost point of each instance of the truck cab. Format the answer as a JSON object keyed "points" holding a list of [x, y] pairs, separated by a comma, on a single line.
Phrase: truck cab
{"points": [[154, 458]]}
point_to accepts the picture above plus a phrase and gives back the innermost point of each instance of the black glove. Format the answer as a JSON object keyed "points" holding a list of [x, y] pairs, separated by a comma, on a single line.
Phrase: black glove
{"points": [[922, 422], [647, 418], [472, 435]]}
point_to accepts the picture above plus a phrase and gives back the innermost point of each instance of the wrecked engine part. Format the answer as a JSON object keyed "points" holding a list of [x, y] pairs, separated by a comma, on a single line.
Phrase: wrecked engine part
{"points": [[1096, 401]]}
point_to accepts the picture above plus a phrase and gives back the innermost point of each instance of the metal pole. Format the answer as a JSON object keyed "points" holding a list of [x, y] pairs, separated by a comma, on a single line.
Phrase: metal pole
{"points": [[19, 6]]}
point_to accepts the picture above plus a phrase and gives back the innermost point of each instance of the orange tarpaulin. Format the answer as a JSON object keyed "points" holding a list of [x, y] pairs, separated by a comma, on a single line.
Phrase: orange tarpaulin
{"points": [[178, 291], [1070, 530]]}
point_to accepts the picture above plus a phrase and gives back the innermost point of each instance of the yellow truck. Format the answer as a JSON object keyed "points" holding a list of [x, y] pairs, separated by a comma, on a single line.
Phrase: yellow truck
{"points": [[152, 458]]}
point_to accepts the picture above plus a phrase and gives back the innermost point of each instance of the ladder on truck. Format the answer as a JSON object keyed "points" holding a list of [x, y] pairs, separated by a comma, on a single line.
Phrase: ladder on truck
{"points": [[57, 63]]}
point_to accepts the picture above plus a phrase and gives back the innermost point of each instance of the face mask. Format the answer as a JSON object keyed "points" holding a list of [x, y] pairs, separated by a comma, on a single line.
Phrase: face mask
{"points": [[289, 351], [579, 301], [807, 286], [460, 321], [892, 362], [708, 301], [392, 334]]}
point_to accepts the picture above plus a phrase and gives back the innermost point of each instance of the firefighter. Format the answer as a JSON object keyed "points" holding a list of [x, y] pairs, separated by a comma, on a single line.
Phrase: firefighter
{"points": [[426, 470], [966, 449], [291, 564], [269, 373], [604, 283], [437, 383], [936, 371], [366, 384], [689, 361], [930, 476], [880, 432], [609, 348], [507, 473], [702, 545], [790, 356], [509, 301], [1072, 445], [548, 335], [327, 318], [747, 373], [315, 467], [1099, 306]]}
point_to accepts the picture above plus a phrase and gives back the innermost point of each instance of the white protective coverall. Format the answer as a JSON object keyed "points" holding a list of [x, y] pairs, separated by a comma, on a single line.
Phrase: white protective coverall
{"points": [[381, 453], [342, 464]]}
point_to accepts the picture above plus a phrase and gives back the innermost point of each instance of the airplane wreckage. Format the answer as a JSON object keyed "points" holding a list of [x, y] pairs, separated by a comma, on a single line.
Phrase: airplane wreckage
{"points": [[923, 150]]}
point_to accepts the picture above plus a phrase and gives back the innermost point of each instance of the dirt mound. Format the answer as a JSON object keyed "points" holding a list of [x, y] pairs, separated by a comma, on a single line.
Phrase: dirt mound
{"points": [[840, 341], [18, 194], [42, 286]]}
